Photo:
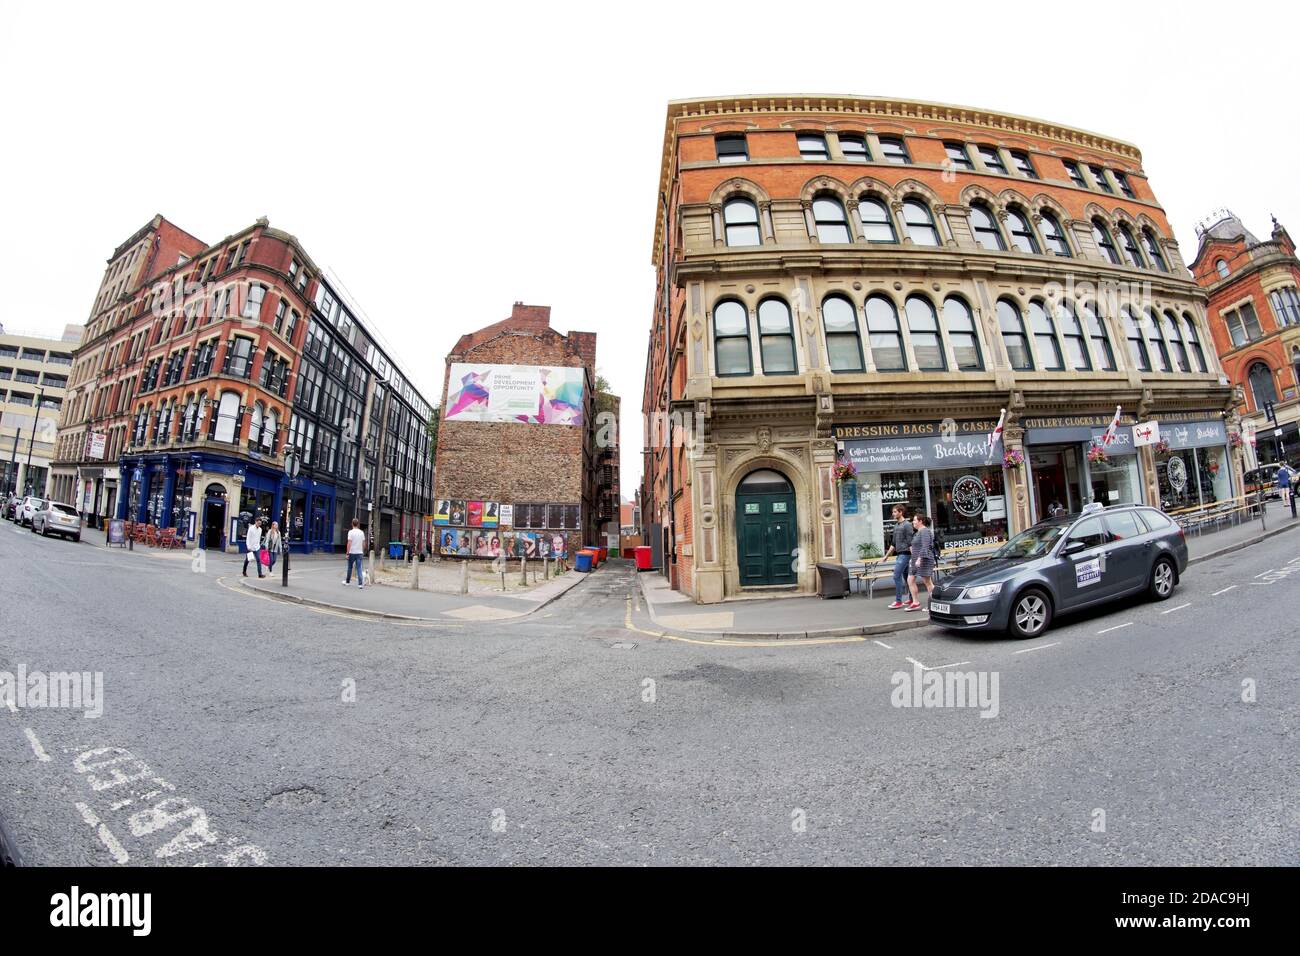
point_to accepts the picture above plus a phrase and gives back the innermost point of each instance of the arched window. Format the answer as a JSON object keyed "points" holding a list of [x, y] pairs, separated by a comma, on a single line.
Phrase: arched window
{"points": [[765, 482], [1096, 327], [877, 225], [1101, 235], [919, 223], [959, 322], [1222, 267], [843, 343], [1022, 233], [1137, 346], [1131, 251], [776, 337], [1193, 340], [1013, 336], [1262, 389], [1045, 341], [985, 227], [1286, 305], [1072, 336], [927, 342], [832, 224], [731, 339], [255, 426], [884, 335], [1054, 235], [1153, 249], [1151, 325], [270, 423], [227, 418], [740, 223], [1175, 338]]}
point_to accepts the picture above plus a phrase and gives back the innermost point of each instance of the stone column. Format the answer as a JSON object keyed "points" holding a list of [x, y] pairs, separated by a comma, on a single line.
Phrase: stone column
{"points": [[825, 529], [1016, 486], [709, 583], [715, 210]]}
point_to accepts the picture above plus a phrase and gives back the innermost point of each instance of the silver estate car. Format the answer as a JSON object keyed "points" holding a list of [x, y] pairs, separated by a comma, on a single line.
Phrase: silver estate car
{"points": [[1062, 565], [57, 518]]}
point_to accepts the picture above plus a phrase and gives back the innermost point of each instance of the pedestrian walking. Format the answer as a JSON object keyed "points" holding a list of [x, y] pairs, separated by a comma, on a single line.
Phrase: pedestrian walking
{"points": [[254, 544], [356, 551], [1285, 479], [923, 558], [274, 545], [900, 549]]}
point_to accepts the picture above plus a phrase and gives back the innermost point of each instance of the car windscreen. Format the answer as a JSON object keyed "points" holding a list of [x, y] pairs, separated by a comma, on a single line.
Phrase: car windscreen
{"points": [[65, 509], [1033, 542]]}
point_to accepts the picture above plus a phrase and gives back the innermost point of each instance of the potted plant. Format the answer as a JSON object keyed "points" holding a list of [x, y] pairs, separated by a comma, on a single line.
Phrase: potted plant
{"points": [[868, 551]]}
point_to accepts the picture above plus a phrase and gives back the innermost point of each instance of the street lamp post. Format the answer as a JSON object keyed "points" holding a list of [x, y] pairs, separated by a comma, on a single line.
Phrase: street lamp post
{"points": [[291, 466], [31, 439]]}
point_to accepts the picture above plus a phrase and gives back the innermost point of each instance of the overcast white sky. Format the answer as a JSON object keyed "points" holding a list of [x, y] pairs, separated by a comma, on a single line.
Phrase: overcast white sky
{"points": [[449, 162]]}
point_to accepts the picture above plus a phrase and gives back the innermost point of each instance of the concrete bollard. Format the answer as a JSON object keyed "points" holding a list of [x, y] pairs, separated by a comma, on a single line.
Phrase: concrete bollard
{"points": [[464, 577], [546, 569], [523, 571], [370, 574], [415, 575]]}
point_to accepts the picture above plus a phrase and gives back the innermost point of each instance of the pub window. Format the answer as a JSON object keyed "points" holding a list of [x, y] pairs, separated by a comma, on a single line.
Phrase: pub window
{"points": [[923, 327], [1096, 327], [959, 322], [919, 223], [740, 223], [884, 335], [1137, 346], [985, 227], [843, 343], [1022, 233], [731, 148], [776, 337], [832, 224], [1013, 336], [1054, 235], [1049, 348], [877, 225], [731, 339]]}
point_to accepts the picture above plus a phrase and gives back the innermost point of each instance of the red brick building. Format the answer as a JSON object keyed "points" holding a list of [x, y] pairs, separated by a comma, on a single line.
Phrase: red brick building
{"points": [[1254, 313], [520, 433], [870, 282]]}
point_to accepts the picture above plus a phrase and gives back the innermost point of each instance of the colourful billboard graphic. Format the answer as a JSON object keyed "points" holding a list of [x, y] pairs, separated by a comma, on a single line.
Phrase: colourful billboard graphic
{"points": [[532, 394]]}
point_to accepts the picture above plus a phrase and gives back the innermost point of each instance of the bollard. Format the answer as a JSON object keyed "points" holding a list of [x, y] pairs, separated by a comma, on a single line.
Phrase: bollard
{"points": [[523, 570], [546, 569], [464, 578], [415, 575], [371, 573]]}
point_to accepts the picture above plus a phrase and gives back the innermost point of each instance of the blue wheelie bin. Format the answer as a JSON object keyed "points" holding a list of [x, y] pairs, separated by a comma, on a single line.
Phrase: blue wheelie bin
{"points": [[583, 560]]}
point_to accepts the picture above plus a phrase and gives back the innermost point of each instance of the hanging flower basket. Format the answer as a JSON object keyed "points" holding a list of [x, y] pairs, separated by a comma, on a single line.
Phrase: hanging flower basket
{"points": [[1014, 458], [844, 470], [1235, 439], [1097, 455], [1161, 447]]}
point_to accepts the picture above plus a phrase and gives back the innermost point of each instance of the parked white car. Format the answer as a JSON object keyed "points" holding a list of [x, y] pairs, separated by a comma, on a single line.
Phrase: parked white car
{"points": [[31, 504], [57, 518]]}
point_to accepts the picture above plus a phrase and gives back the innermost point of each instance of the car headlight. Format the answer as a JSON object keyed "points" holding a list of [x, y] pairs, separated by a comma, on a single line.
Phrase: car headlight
{"points": [[983, 591]]}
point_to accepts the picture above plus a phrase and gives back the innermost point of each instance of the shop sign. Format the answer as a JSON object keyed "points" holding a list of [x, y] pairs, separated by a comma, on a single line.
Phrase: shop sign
{"points": [[1146, 433], [914, 454], [947, 428], [849, 497], [1206, 434]]}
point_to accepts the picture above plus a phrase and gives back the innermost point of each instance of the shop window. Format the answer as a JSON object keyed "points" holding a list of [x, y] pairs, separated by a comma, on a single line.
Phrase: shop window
{"points": [[1101, 235], [968, 506], [1022, 233], [843, 343], [776, 337], [731, 339], [1262, 388], [1045, 341], [1153, 249], [831, 223], [1116, 481], [740, 223], [1073, 338], [884, 335], [1101, 346], [877, 225], [959, 322], [1137, 346], [985, 228], [919, 223], [1151, 325], [1014, 337], [1054, 235], [923, 328]]}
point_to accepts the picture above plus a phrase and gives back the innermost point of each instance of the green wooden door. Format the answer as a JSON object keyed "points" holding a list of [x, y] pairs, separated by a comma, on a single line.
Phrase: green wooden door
{"points": [[765, 525]]}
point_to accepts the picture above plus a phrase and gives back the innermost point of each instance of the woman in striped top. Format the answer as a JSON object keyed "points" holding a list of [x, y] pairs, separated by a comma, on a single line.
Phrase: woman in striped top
{"points": [[923, 558]]}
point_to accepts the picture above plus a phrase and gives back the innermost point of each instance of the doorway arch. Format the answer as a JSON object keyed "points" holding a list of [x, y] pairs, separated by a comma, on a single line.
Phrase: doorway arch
{"points": [[767, 529], [214, 516]]}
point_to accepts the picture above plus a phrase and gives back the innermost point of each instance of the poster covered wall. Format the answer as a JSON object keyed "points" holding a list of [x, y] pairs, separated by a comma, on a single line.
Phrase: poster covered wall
{"points": [[533, 394]]}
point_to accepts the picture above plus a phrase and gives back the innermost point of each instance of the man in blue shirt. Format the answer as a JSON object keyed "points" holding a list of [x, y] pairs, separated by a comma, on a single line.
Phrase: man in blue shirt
{"points": [[1284, 477]]}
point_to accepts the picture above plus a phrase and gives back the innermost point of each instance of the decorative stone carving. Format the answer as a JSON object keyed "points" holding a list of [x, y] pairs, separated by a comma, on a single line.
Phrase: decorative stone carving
{"points": [[763, 439]]}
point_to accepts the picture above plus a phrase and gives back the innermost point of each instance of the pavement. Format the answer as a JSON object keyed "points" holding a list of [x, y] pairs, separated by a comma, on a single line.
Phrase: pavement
{"points": [[240, 730]]}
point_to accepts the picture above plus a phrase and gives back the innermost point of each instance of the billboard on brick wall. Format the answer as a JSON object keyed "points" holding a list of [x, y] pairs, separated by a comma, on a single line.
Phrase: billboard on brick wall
{"points": [[533, 394]]}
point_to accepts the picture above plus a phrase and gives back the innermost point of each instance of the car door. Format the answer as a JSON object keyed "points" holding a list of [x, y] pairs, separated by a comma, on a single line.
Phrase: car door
{"points": [[1128, 559], [1081, 572]]}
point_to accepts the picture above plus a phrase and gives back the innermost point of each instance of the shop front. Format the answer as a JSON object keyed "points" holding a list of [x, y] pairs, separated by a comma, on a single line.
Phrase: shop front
{"points": [[311, 516], [946, 472], [1070, 467], [1196, 469]]}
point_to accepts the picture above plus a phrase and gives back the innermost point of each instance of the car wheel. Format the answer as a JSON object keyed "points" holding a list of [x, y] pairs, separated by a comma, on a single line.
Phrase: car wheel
{"points": [[1030, 614], [1163, 578], [45, 530], [76, 538]]}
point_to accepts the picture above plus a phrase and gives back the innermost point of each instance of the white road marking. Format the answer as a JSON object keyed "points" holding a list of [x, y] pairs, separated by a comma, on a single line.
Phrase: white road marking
{"points": [[1172, 609], [1116, 627], [37, 749], [1230, 587], [937, 667], [104, 833], [883, 644], [1039, 647], [1269, 571]]}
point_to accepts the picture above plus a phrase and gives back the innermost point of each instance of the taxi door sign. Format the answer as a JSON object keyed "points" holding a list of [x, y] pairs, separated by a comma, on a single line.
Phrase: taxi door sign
{"points": [[1087, 573]]}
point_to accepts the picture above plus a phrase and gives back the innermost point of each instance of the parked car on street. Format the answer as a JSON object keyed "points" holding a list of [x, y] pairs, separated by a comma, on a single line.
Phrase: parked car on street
{"points": [[54, 517], [30, 505], [11, 504], [1063, 565]]}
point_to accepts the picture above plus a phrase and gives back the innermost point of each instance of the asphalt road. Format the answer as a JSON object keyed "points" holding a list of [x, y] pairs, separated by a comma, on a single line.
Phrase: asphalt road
{"points": [[237, 729]]}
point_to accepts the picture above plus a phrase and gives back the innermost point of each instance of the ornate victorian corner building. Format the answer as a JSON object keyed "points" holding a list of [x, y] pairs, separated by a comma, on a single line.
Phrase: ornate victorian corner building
{"points": [[868, 282]]}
